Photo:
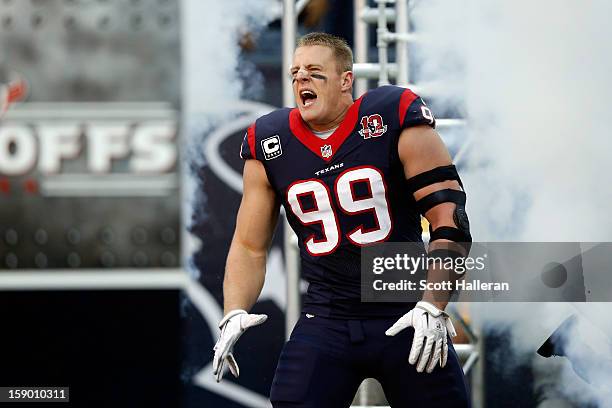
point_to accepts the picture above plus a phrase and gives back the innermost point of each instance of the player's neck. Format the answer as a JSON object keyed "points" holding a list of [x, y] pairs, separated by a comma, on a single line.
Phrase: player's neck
{"points": [[337, 117]]}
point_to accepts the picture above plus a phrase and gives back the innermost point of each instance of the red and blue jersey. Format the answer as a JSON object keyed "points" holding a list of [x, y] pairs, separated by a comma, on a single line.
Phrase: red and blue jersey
{"points": [[342, 192]]}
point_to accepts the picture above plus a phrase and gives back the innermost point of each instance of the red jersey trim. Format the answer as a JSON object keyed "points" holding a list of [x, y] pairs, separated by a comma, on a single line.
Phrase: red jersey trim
{"points": [[315, 144], [251, 140], [405, 101]]}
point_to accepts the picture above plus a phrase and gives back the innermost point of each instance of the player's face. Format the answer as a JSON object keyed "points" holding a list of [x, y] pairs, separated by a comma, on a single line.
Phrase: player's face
{"points": [[317, 84]]}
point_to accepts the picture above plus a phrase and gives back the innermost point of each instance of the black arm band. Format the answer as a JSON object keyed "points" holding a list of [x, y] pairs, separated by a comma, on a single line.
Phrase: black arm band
{"points": [[451, 234], [438, 197], [437, 175], [445, 253], [461, 237]]}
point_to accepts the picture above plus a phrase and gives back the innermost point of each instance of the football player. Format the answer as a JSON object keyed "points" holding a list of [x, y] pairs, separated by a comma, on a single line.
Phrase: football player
{"points": [[349, 173]]}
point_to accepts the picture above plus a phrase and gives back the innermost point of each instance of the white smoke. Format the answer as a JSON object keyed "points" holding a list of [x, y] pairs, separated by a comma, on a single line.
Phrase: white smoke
{"points": [[211, 31], [212, 84], [534, 80], [211, 51]]}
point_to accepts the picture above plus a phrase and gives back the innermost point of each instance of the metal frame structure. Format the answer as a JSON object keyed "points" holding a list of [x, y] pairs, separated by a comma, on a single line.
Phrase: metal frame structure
{"points": [[383, 70], [292, 256], [71, 279]]}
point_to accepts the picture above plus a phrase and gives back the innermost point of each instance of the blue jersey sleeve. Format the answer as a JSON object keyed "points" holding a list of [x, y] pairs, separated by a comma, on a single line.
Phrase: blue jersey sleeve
{"points": [[413, 111], [247, 148]]}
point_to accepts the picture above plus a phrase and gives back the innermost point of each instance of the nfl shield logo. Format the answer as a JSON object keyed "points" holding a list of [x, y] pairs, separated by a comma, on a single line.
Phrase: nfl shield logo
{"points": [[326, 151]]}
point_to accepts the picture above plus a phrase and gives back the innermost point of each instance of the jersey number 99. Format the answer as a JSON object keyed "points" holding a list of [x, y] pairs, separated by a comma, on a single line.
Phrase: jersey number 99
{"points": [[324, 214]]}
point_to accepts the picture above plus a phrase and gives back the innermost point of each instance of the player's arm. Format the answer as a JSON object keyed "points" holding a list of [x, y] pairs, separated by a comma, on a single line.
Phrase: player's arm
{"points": [[246, 264], [440, 198], [436, 187], [246, 261]]}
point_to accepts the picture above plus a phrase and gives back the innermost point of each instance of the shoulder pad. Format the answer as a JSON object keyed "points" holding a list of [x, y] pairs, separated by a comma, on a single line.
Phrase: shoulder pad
{"points": [[262, 131]]}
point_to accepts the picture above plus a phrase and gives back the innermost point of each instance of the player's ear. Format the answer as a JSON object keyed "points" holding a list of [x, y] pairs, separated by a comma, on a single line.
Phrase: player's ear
{"points": [[347, 80]]}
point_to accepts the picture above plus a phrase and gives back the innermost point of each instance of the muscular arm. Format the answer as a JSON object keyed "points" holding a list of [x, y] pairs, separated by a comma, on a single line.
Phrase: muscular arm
{"points": [[421, 149], [246, 261]]}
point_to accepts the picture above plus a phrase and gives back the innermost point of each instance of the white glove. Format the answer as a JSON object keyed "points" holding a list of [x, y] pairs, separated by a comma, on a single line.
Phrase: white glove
{"points": [[232, 326], [429, 323]]}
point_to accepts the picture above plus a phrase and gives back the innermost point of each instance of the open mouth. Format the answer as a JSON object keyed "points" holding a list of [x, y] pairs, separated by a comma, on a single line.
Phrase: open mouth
{"points": [[308, 97]]}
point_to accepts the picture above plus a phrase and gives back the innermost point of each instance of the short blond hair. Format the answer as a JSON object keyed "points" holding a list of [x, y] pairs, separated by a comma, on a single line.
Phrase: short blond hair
{"points": [[339, 46]]}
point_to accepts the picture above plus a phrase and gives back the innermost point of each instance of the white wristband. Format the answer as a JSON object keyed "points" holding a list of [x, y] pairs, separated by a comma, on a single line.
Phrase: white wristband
{"points": [[230, 315], [431, 309]]}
